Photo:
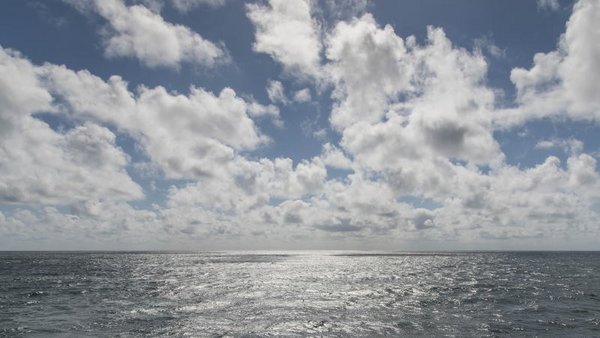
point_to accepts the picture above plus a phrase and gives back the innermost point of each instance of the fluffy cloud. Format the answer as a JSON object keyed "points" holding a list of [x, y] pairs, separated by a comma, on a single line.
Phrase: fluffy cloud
{"points": [[257, 110], [140, 33], [187, 136], [335, 158], [41, 165], [559, 83], [532, 202], [366, 65], [415, 123], [398, 103], [197, 136], [286, 31], [92, 224], [253, 197], [249, 184]]}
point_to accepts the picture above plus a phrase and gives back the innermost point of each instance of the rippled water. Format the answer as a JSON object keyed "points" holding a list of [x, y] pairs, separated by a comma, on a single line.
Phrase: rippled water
{"points": [[307, 293]]}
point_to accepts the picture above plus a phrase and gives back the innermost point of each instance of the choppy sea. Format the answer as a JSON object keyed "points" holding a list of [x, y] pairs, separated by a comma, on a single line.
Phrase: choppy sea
{"points": [[192, 294]]}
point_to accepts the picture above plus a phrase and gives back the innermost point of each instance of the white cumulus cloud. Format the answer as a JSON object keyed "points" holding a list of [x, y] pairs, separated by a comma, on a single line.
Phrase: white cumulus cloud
{"points": [[286, 31], [560, 83], [42, 165], [137, 32], [187, 136]]}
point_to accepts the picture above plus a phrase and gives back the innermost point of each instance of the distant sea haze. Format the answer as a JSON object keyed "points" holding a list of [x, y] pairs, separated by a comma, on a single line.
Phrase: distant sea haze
{"points": [[89, 294]]}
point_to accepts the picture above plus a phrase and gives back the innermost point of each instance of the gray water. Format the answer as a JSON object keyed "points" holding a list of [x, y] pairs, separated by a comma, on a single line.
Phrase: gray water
{"points": [[299, 293]]}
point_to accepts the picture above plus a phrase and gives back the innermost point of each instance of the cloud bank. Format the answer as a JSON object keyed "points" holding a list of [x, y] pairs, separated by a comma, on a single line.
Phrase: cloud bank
{"points": [[416, 156]]}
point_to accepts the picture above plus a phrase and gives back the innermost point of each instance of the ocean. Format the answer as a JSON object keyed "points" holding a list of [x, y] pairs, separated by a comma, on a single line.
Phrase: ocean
{"points": [[215, 294]]}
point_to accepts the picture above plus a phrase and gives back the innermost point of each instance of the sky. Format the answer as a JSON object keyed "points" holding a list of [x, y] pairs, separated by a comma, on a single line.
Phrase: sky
{"points": [[306, 124]]}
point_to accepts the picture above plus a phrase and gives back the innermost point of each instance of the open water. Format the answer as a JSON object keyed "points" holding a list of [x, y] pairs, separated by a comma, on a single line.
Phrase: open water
{"points": [[69, 294]]}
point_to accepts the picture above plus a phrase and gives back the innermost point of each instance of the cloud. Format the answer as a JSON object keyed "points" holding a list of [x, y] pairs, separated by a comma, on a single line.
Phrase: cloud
{"points": [[570, 145], [415, 121], [366, 67], [276, 92], [185, 6], [531, 202], [286, 31], [188, 136], [256, 110], [551, 5], [247, 184], [397, 101], [253, 196], [487, 44], [558, 85], [197, 137], [335, 10], [88, 225], [137, 32], [342, 227], [334, 157], [423, 219], [302, 95], [41, 165]]}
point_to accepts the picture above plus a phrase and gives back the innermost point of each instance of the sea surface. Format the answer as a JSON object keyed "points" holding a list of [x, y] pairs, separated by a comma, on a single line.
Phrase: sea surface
{"points": [[188, 294]]}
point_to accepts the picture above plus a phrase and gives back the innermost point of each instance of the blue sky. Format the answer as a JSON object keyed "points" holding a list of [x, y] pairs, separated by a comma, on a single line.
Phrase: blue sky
{"points": [[221, 124]]}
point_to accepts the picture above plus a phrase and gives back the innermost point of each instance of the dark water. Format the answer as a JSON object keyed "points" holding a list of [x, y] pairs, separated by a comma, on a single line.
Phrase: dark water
{"points": [[291, 294]]}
